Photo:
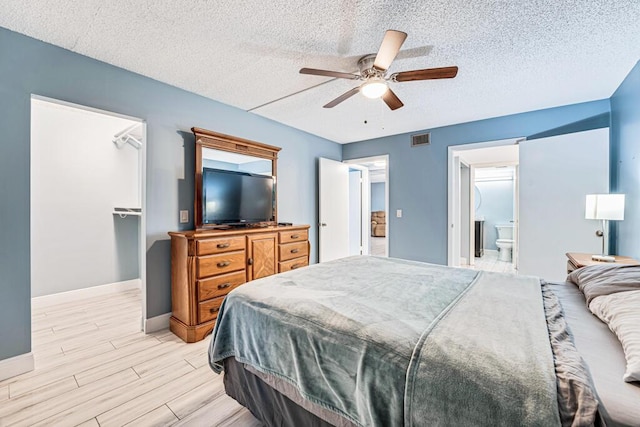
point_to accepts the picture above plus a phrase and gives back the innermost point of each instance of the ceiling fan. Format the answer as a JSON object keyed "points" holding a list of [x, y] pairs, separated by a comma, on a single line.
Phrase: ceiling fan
{"points": [[373, 73]]}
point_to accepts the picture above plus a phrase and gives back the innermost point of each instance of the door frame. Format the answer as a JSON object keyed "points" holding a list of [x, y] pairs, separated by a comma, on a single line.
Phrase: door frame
{"points": [[472, 175], [453, 194], [366, 211], [142, 190]]}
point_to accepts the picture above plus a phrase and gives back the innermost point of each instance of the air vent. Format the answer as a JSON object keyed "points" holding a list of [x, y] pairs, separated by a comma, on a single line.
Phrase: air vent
{"points": [[422, 139]]}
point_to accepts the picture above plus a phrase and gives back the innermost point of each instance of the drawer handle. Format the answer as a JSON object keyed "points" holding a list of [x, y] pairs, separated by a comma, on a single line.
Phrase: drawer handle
{"points": [[294, 251], [295, 236], [223, 264], [294, 266], [223, 245], [214, 310], [224, 285]]}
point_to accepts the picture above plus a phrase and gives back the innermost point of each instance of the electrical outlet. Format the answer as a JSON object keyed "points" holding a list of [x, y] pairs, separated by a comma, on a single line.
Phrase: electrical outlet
{"points": [[184, 217], [399, 213]]}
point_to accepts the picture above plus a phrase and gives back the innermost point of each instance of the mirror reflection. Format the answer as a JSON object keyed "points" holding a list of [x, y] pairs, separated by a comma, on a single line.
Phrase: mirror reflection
{"points": [[224, 160]]}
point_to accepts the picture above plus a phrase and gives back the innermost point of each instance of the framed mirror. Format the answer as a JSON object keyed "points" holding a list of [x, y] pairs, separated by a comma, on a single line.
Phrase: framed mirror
{"points": [[234, 169]]}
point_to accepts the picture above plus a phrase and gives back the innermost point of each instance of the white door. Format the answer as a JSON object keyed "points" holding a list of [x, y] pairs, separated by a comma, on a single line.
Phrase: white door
{"points": [[333, 233], [359, 210], [556, 174]]}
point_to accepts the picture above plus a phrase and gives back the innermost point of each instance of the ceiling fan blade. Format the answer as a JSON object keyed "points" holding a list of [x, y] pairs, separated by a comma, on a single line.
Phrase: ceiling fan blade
{"points": [[392, 100], [342, 97], [389, 49], [426, 74], [337, 74]]}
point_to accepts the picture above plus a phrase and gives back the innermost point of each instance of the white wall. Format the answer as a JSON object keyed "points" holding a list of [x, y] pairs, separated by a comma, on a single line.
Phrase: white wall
{"points": [[555, 176], [78, 176]]}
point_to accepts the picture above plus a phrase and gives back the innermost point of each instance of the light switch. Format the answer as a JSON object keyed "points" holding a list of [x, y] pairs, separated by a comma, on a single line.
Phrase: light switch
{"points": [[184, 217], [399, 213]]}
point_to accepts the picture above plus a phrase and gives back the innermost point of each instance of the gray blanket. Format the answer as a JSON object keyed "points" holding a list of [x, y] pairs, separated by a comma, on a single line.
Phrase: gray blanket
{"points": [[386, 342]]}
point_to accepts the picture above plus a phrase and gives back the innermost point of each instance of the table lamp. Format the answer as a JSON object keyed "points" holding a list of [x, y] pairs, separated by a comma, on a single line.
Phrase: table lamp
{"points": [[605, 207]]}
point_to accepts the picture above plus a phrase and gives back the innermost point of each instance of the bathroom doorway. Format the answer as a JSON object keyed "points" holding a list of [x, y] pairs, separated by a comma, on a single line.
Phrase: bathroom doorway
{"points": [[483, 201], [494, 189]]}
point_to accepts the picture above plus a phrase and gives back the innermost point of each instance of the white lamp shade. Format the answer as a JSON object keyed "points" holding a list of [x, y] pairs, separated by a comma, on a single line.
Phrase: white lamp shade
{"points": [[605, 206]]}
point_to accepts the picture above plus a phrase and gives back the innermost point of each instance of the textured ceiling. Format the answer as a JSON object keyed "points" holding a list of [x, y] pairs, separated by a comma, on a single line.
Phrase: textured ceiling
{"points": [[514, 56]]}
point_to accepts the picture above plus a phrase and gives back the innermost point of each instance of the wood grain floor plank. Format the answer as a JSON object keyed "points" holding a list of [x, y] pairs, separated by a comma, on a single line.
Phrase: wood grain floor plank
{"points": [[104, 334], [174, 353], [109, 367], [71, 399], [46, 376], [74, 356], [45, 352], [213, 414], [135, 337], [79, 331], [4, 393], [113, 398], [90, 423], [242, 418], [40, 395], [198, 397], [199, 359], [161, 416], [141, 404]]}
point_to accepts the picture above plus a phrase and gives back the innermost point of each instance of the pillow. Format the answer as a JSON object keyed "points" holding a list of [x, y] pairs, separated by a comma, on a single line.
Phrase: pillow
{"points": [[621, 312], [605, 279]]}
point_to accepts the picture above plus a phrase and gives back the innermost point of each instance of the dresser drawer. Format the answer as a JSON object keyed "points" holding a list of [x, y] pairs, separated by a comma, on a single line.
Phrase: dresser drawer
{"points": [[218, 264], [209, 309], [293, 250], [293, 236], [219, 286], [219, 245], [292, 264]]}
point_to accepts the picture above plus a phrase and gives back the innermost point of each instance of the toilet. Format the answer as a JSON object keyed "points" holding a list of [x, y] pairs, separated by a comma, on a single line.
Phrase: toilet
{"points": [[505, 241]]}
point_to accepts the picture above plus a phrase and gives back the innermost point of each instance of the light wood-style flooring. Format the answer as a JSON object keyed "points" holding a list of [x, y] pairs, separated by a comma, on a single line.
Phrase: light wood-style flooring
{"points": [[93, 367], [378, 246], [491, 262]]}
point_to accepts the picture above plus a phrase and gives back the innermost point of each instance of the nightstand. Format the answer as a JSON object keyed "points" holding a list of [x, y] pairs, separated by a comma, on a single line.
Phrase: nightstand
{"points": [[577, 260]]}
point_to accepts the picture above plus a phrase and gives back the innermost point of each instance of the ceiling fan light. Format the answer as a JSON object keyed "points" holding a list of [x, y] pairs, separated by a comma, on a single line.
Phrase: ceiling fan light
{"points": [[374, 88]]}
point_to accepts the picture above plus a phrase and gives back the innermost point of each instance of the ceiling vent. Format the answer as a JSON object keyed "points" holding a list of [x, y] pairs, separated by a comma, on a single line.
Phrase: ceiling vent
{"points": [[422, 139]]}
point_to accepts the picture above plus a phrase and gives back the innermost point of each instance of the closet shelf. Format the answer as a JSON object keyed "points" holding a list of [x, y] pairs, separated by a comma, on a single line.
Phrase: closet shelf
{"points": [[124, 212]]}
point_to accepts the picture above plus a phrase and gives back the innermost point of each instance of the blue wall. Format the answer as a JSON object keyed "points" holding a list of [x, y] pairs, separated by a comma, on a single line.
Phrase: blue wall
{"points": [[377, 196], [496, 207], [32, 67], [625, 162], [418, 175]]}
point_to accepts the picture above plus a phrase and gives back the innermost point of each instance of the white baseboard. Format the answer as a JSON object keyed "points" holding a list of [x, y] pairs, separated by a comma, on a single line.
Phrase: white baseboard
{"points": [[157, 323], [78, 294], [16, 365]]}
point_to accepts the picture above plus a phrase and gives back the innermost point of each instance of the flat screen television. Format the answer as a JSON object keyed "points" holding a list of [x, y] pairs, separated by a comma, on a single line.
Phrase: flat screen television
{"points": [[230, 197]]}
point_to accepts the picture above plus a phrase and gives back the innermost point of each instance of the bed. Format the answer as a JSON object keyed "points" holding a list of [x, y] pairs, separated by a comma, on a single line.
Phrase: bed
{"points": [[384, 342]]}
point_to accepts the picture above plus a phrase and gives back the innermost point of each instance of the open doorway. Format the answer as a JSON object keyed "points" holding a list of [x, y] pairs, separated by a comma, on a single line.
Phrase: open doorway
{"points": [[494, 218], [483, 206], [378, 212], [87, 214]]}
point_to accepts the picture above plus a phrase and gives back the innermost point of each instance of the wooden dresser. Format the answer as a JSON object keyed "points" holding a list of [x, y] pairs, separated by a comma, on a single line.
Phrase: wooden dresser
{"points": [[207, 264]]}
